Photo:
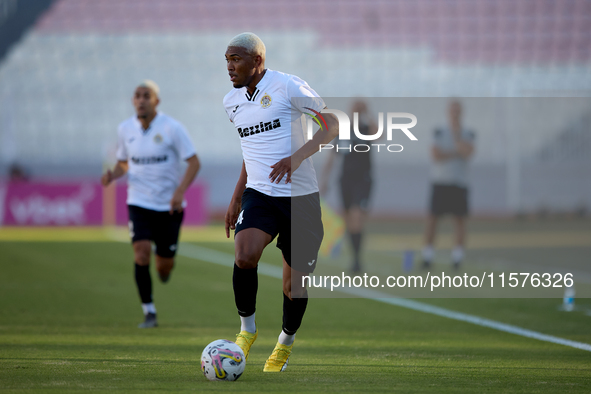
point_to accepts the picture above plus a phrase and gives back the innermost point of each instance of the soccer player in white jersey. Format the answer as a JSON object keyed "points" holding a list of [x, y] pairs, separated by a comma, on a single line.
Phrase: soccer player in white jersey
{"points": [[453, 147], [151, 147], [277, 192]]}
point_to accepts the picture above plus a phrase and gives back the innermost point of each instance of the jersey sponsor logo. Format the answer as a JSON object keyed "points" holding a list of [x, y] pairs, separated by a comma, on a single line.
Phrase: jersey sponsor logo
{"points": [[158, 139], [150, 160], [235, 108], [266, 101], [259, 128], [311, 263], [131, 140]]}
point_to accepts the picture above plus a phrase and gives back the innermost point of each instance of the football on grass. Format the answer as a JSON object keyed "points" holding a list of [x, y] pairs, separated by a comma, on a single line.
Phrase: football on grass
{"points": [[222, 360]]}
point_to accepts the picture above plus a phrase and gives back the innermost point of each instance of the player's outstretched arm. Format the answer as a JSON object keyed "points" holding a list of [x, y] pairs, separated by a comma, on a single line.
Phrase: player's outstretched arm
{"points": [[118, 171], [290, 164], [236, 202], [193, 166]]}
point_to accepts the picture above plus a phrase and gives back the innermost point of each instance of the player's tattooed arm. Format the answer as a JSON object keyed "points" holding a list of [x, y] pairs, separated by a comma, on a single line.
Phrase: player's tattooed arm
{"points": [[236, 202], [286, 167], [118, 171]]}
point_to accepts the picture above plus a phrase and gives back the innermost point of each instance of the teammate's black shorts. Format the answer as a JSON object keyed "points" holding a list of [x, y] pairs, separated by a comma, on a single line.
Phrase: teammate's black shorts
{"points": [[355, 191], [297, 221], [449, 199], [160, 227]]}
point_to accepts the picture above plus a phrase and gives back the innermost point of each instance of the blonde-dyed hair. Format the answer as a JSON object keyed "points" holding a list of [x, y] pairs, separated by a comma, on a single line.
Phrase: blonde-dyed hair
{"points": [[249, 41]]}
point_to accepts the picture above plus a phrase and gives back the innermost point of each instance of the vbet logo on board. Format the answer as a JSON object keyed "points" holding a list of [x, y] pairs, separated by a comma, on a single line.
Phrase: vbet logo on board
{"points": [[345, 130]]}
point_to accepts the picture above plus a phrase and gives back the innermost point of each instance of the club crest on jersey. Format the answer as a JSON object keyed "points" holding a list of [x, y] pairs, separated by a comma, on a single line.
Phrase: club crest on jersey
{"points": [[158, 138], [266, 101]]}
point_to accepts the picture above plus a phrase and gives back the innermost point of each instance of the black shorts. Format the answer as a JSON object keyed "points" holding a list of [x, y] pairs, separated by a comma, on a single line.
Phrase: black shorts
{"points": [[160, 227], [449, 199], [355, 192], [297, 221]]}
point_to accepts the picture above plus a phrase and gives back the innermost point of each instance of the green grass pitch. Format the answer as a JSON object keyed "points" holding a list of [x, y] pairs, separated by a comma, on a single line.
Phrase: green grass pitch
{"points": [[69, 311]]}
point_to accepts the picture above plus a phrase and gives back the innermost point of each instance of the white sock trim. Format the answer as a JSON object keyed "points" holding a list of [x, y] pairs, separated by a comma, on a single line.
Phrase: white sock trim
{"points": [[428, 253], [286, 339], [457, 254], [148, 308], [248, 324]]}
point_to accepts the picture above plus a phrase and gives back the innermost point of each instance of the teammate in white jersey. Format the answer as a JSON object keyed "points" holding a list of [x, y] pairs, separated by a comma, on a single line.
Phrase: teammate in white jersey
{"points": [[277, 192], [151, 147]]}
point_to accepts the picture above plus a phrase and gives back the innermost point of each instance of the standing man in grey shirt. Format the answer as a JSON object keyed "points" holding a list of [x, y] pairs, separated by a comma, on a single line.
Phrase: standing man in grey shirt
{"points": [[452, 148]]}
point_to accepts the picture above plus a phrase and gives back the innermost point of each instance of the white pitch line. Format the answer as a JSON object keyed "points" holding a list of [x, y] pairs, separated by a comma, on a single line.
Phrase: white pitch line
{"points": [[227, 260]]}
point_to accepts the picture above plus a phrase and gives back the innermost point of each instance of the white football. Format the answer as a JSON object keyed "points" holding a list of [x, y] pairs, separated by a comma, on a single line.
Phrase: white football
{"points": [[222, 360]]}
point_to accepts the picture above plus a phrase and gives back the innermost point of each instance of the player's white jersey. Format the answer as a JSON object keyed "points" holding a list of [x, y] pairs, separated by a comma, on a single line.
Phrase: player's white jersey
{"points": [[270, 125], [154, 157]]}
